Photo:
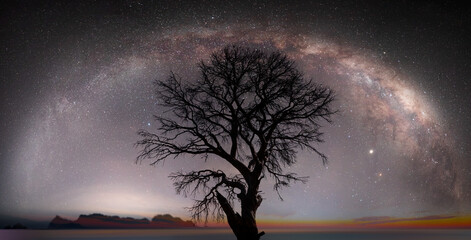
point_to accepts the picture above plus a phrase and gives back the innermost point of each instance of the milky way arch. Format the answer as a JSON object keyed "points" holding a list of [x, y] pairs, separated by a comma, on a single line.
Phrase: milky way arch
{"points": [[380, 109]]}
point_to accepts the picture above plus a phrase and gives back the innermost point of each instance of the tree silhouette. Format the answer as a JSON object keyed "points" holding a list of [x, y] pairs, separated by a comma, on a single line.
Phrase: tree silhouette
{"points": [[248, 108]]}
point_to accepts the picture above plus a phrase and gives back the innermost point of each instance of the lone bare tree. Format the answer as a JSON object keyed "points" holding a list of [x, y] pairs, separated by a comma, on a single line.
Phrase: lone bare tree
{"points": [[248, 108]]}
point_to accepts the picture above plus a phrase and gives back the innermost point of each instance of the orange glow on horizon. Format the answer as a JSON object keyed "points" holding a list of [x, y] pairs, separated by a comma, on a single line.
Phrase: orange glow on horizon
{"points": [[427, 222]]}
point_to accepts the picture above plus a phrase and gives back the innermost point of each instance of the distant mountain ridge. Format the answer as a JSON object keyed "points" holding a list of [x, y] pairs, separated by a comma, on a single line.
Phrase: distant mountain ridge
{"points": [[100, 221]]}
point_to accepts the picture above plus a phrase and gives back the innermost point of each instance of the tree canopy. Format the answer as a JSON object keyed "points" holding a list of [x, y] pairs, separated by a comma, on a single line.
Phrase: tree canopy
{"points": [[249, 108]]}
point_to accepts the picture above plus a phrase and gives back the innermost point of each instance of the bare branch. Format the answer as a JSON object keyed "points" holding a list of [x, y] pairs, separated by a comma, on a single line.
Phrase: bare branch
{"points": [[207, 182], [248, 108]]}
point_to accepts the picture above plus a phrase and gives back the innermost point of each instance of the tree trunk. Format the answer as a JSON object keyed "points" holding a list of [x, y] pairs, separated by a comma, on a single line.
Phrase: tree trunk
{"points": [[245, 226], [246, 230]]}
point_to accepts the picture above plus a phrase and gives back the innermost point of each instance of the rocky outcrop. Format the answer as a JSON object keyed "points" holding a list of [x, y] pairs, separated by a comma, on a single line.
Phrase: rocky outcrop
{"points": [[100, 221], [62, 223]]}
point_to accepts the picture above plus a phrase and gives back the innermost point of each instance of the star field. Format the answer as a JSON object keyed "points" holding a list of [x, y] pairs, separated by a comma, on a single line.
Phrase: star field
{"points": [[77, 86]]}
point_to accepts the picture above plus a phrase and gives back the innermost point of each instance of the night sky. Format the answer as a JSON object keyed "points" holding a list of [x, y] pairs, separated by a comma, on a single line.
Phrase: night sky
{"points": [[76, 86]]}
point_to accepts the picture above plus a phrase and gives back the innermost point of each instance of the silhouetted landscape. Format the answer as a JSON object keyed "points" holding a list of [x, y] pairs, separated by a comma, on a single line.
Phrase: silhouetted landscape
{"points": [[100, 221]]}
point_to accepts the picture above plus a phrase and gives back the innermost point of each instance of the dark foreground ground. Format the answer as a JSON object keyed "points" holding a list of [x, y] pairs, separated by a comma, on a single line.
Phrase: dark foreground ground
{"points": [[223, 234]]}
